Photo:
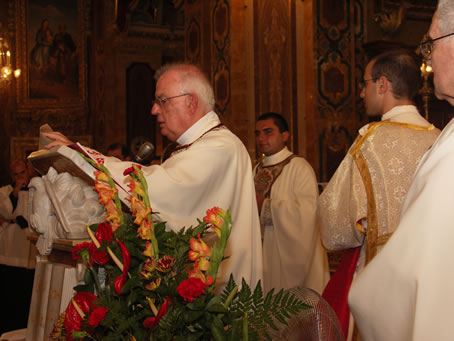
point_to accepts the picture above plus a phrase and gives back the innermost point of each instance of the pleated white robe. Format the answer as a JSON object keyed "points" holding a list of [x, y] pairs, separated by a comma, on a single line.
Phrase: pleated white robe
{"points": [[215, 170], [292, 251]]}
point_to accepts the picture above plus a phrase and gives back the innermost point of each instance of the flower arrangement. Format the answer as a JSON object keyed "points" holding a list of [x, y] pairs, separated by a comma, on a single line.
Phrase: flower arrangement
{"points": [[143, 282]]}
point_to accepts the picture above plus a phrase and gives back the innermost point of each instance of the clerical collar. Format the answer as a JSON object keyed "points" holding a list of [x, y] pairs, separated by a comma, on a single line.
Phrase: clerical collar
{"points": [[276, 158], [207, 122], [402, 114]]}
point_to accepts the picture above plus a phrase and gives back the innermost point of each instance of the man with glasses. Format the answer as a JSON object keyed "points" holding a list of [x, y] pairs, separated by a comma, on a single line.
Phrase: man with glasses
{"points": [[406, 291], [361, 204], [210, 167]]}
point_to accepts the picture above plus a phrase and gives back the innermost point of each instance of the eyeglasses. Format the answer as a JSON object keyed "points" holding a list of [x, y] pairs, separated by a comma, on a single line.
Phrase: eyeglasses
{"points": [[163, 100], [363, 84], [427, 46]]}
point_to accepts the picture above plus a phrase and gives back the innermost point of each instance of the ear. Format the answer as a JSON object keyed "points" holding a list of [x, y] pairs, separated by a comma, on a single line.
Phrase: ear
{"points": [[193, 102], [383, 85], [285, 136]]}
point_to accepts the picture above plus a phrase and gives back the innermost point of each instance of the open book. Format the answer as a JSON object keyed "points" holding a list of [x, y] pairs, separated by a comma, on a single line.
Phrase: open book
{"points": [[68, 159]]}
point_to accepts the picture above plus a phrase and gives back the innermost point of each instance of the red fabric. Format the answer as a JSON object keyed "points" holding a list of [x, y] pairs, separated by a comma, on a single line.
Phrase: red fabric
{"points": [[336, 291]]}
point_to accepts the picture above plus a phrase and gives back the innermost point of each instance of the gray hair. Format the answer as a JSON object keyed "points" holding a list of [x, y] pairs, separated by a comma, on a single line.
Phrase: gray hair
{"points": [[191, 80], [445, 14]]}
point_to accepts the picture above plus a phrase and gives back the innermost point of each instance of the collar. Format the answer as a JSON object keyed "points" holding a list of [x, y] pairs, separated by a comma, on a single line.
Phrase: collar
{"points": [[405, 114], [401, 114], [208, 121], [276, 158]]}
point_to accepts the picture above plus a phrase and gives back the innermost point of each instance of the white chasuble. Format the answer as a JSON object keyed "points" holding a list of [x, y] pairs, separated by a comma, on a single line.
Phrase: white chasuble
{"points": [[405, 293], [292, 252], [214, 169]]}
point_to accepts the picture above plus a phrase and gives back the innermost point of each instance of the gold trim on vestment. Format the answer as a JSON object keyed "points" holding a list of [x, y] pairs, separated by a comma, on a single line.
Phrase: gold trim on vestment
{"points": [[372, 238], [265, 176], [372, 219], [373, 126]]}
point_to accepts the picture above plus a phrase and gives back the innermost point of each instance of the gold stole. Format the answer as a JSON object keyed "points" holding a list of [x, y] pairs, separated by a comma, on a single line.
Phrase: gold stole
{"points": [[372, 238]]}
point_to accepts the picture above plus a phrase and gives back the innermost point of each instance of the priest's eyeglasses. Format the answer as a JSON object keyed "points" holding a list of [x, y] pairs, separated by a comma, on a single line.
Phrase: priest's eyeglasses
{"points": [[363, 84], [163, 100], [427, 46]]}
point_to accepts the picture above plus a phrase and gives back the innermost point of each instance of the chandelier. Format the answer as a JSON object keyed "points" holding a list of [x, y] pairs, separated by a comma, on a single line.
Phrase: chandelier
{"points": [[6, 71]]}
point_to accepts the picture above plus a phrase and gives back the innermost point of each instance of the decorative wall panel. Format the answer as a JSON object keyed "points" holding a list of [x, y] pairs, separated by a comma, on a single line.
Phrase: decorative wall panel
{"points": [[339, 36], [221, 54], [273, 58]]}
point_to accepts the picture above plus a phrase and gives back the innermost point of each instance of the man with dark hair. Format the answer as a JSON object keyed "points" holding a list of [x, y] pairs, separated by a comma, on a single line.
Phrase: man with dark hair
{"points": [[405, 292], [401, 69], [287, 194], [361, 204]]}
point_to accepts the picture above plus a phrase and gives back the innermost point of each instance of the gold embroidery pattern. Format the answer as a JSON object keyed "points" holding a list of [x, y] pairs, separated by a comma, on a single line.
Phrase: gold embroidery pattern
{"points": [[267, 175]]}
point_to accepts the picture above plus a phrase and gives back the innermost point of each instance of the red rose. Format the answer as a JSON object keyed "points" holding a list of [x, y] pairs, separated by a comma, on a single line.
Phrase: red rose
{"points": [[104, 233], [100, 257], [85, 251], [190, 288], [97, 316]]}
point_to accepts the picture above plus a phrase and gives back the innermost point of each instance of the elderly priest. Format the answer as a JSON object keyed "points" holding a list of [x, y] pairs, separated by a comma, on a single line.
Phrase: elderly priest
{"points": [[210, 167]]}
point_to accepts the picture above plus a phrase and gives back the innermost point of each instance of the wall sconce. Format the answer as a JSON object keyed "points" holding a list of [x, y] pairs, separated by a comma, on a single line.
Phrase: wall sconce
{"points": [[426, 90], [6, 70]]}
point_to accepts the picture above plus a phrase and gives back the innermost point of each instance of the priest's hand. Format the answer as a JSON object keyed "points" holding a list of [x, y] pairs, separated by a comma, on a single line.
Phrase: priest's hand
{"points": [[58, 139]]}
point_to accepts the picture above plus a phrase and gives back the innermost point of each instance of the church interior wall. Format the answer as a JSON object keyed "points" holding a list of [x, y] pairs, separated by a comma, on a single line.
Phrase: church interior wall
{"points": [[301, 58]]}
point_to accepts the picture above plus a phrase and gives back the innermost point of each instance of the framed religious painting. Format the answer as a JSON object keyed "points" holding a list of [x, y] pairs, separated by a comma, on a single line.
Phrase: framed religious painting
{"points": [[50, 45]]}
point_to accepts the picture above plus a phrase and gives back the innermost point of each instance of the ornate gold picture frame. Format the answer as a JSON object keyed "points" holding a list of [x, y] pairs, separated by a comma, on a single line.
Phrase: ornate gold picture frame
{"points": [[50, 46]]}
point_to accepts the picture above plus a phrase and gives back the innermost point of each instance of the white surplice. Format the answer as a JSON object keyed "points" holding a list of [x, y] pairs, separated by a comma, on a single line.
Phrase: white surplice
{"points": [[15, 249], [405, 293], [292, 251], [214, 170]]}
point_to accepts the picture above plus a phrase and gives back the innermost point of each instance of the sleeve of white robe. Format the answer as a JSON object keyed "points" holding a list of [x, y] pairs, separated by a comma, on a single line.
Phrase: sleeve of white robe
{"points": [[213, 171], [295, 240], [342, 204]]}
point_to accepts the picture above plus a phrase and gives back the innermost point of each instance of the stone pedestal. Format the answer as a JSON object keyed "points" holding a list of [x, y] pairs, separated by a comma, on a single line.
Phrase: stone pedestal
{"points": [[55, 277]]}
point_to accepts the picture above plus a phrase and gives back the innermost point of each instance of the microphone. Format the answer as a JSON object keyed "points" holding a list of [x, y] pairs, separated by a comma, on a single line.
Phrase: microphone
{"points": [[145, 152]]}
